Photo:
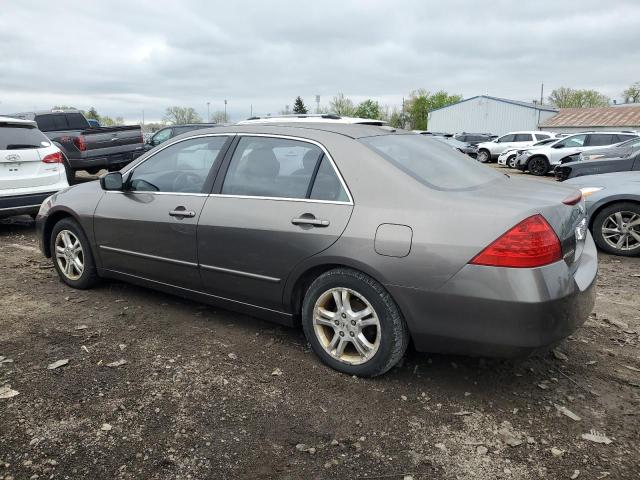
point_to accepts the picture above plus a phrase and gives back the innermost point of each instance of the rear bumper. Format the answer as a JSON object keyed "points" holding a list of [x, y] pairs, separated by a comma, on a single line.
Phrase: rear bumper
{"points": [[501, 312], [25, 204], [106, 161]]}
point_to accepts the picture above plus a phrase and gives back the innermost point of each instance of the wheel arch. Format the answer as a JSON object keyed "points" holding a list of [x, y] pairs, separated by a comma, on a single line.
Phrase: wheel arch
{"points": [[50, 222], [609, 202]]}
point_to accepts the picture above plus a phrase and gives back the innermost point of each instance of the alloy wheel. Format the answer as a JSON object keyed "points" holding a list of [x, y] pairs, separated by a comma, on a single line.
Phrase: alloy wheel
{"points": [[511, 161], [69, 254], [621, 230], [483, 156], [538, 166], [346, 326]]}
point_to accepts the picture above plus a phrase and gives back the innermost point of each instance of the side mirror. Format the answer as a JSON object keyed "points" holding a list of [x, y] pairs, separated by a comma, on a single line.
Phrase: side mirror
{"points": [[149, 141], [111, 181], [558, 145]]}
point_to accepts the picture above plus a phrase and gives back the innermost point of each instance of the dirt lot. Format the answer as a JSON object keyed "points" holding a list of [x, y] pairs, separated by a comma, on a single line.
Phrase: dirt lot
{"points": [[207, 393]]}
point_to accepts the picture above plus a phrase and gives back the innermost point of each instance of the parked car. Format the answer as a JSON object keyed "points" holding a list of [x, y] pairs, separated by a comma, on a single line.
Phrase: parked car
{"points": [[595, 167], [620, 150], [542, 160], [462, 147], [168, 133], [93, 122], [613, 209], [508, 158], [312, 118], [298, 224], [31, 167], [489, 151], [85, 147], [474, 138]]}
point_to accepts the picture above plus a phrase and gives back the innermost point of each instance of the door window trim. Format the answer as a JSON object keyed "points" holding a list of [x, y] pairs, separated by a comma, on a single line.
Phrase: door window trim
{"points": [[222, 172]]}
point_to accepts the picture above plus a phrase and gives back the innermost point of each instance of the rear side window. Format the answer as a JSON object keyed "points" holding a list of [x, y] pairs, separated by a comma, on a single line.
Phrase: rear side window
{"points": [[76, 121], [431, 162], [523, 137], [601, 139], [327, 185], [541, 136], [271, 167], [21, 138], [624, 138]]}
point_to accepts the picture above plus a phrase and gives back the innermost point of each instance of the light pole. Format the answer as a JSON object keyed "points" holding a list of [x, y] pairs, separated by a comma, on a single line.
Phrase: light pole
{"points": [[225, 110], [317, 103], [208, 113]]}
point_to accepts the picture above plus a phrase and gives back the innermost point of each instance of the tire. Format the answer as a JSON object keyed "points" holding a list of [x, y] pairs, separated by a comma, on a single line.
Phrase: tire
{"points": [[71, 174], [484, 156], [538, 166], [74, 277], [387, 339], [607, 219], [511, 161]]}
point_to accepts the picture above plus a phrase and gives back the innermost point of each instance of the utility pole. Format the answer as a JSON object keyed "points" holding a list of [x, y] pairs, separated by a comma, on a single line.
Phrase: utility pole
{"points": [[542, 93], [251, 114], [225, 110], [208, 113], [143, 118], [317, 103]]}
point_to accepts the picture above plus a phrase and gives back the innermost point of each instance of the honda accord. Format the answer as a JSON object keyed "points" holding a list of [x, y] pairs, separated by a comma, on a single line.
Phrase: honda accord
{"points": [[371, 238]]}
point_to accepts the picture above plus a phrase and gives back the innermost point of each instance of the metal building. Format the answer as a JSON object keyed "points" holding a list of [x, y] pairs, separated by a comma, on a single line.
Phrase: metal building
{"points": [[487, 114]]}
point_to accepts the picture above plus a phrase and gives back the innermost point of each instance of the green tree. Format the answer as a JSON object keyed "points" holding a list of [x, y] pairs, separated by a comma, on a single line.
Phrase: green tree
{"points": [[632, 94], [565, 97], [421, 102], [298, 106], [93, 113], [368, 109], [180, 115], [341, 105]]}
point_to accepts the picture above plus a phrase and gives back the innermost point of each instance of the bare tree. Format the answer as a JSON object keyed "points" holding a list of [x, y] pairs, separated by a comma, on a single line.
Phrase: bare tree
{"points": [[218, 116], [565, 97], [341, 105], [632, 94], [180, 115]]}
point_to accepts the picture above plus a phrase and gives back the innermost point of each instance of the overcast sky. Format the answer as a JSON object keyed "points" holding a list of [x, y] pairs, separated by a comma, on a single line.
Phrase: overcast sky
{"points": [[123, 57]]}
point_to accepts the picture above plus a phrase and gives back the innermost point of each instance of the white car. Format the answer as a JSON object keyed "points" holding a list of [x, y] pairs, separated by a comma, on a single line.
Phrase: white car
{"points": [[542, 160], [311, 118], [488, 151], [508, 157], [31, 167]]}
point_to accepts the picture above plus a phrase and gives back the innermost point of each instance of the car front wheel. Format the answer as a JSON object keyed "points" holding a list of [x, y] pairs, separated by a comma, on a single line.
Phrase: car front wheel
{"points": [[353, 324], [539, 166], [511, 161], [71, 254], [484, 156], [616, 229]]}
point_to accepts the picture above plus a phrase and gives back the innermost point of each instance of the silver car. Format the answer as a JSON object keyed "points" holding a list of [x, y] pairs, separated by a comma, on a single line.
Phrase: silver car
{"points": [[613, 207], [368, 237]]}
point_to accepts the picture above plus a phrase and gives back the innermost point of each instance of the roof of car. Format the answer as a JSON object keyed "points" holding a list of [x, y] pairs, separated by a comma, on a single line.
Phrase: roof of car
{"points": [[313, 118], [17, 121], [284, 128]]}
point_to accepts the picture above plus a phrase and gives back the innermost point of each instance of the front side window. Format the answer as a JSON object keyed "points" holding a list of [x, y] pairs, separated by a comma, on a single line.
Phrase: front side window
{"points": [[180, 168], [161, 136], [572, 142], [432, 163], [523, 137], [506, 138], [272, 167]]}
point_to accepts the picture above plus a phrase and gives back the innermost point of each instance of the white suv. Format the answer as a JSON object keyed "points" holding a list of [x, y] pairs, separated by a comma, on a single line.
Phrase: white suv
{"points": [[488, 151], [31, 167], [542, 160]]}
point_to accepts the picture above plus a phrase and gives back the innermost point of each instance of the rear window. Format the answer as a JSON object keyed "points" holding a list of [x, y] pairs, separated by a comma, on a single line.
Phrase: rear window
{"points": [[431, 162], [21, 138], [61, 121]]}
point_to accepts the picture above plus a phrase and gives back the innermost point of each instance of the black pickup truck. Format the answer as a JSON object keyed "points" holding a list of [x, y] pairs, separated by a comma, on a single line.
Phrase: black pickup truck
{"points": [[86, 147]]}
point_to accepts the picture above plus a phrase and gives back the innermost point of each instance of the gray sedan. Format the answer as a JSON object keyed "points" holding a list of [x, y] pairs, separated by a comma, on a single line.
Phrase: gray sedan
{"points": [[368, 237], [613, 206]]}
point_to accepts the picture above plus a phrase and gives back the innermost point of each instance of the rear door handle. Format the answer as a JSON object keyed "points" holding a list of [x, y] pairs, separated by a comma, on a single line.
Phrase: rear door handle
{"points": [[182, 213], [310, 221]]}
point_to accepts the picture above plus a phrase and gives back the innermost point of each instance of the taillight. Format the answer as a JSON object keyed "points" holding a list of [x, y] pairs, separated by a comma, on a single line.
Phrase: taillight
{"points": [[531, 243], [55, 157], [80, 143]]}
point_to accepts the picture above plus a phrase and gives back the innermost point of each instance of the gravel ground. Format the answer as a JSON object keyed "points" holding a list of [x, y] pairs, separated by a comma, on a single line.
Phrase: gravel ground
{"points": [[156, 387]]}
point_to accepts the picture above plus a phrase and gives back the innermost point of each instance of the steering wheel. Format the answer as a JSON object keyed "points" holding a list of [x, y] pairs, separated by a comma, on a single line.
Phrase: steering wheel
{"points": [[187, 182]]}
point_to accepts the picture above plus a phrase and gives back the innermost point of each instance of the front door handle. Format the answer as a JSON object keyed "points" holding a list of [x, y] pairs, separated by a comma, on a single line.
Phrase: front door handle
{"points": [[310, 220], [181, 212]]}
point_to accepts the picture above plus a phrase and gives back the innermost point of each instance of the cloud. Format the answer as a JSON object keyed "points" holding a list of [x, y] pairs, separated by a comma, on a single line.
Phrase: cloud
{"points": [[126, 57]]}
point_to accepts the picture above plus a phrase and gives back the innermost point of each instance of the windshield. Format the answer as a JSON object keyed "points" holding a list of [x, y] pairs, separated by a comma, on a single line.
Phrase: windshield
{"points": [[18, 137], [431, 162]]}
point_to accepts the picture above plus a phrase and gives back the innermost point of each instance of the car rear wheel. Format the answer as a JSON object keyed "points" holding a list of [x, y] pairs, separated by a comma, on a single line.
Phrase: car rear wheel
{"points": [[71, 254], [484, 156], [616, 229], [539, 166], [353, 324]]}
